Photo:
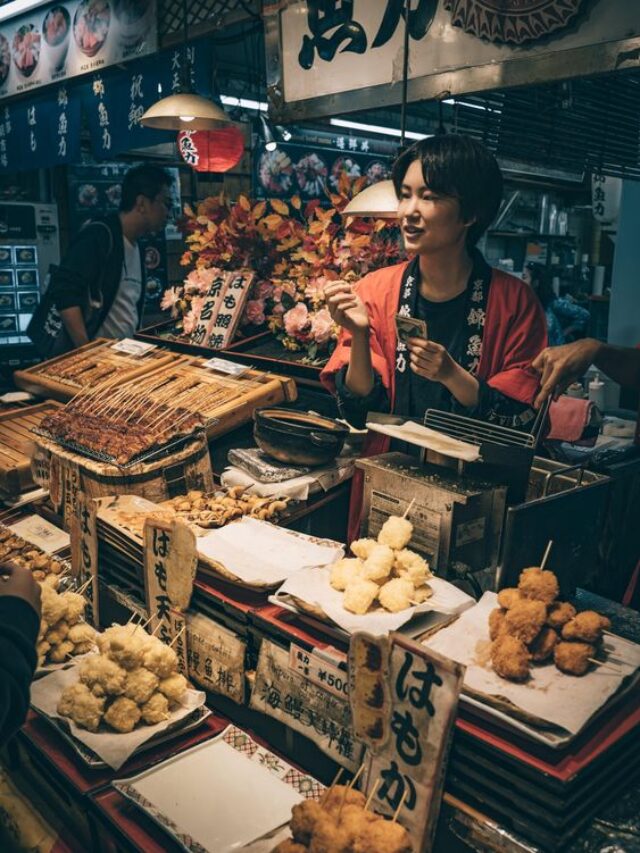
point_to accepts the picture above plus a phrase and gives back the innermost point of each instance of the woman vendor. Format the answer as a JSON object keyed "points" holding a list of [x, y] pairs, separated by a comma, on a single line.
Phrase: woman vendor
{"points": [[484, 327]]}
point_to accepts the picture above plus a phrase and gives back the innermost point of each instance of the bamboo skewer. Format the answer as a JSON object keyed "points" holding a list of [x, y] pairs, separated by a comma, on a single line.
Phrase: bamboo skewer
{"points": [[605, 665], [408, 509], [178, 635], [546, 554], [373, 793], [400, 804]]}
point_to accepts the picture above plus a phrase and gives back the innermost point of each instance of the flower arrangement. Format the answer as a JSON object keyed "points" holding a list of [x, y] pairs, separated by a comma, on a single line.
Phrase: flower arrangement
{"points": [[295, 252]]}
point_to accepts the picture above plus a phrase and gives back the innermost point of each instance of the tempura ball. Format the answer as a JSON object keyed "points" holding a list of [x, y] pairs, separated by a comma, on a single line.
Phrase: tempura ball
{"points": [[122, 715], [344, 571], [54, 609], [542, 647], [160, 659], [84, 648], [79, 703], [539, 585], [362, 547], [156, 710], [396, 532], [508, 597], [303, 820], [328, 837], [396, 595], [586, 626], [360, 595], [525, 620], [496, 622], [58, 633], [81, 633], [126, 650], [102, 675], [573, 658], [510, 658], [560, 612], [421, 594], [378, 564], [383, 836], [173, 687], [341, 795], [411, 565], [75, 606], [140, 685], [61, 652]]}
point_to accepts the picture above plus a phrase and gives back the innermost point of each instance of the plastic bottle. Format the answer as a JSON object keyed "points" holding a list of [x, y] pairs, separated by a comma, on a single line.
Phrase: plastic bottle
{"points": [[596, 391], [553, 219]]}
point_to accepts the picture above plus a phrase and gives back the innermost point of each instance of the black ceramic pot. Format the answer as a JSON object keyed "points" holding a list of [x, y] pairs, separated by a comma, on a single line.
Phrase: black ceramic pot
{"points": [[298, 438]]}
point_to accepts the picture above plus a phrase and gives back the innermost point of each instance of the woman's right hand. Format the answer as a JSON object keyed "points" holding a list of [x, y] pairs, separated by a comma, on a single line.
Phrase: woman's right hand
{"points": [[346, 307]]}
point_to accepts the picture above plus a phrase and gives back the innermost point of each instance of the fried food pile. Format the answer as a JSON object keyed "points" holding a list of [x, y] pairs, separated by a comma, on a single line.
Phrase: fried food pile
{"points": [[383, 572], [17, 551], [339, 823], [531, 626], [133, 680], [63, 631], [224, 506]]}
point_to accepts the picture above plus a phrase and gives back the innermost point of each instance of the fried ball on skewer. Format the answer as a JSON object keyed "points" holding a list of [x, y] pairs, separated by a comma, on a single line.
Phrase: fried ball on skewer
{"points": [[75, 606], [156, 710], [160, 659], [54, 609], [538, 585], [126, 650], [289, 846], [81, 633], [140, 685], [496, 622], [421, 594], [560, 612], [42, 648], [508, 597], [122, 715], [396, 595], [510, 658], [57, 633], [396, 532], [79, 703], [542, 647], [303, 820], [360, 595], [586, 626], [411, 565], [383, 836], [61, 652], [362, 547], [103, 676], [378, 564], [344, 571], [573, 658], [329, 837], [341, 795], [84, 648], [525, 620], [173, 687]]}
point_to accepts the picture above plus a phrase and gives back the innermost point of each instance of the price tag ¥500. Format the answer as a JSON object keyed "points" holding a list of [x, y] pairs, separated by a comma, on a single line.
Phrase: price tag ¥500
{"points": [[131, 347], [319, 671]]}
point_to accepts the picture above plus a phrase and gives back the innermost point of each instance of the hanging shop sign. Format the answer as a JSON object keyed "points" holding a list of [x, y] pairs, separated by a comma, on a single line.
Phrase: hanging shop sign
{"points": [[62, 40], [327, 58], [606, 193]]}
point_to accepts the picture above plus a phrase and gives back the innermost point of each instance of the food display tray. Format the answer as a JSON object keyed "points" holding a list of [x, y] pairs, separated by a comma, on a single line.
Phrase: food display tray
{"points": [[16, 443]]}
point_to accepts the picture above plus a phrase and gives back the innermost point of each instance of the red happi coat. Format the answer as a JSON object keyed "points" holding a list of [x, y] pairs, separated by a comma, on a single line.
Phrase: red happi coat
{"points": [[513, 335]]}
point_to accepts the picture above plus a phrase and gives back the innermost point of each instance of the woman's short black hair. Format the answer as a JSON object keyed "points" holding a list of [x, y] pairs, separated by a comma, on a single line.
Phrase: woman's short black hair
{"points": [[461, 167], [147, 180]]}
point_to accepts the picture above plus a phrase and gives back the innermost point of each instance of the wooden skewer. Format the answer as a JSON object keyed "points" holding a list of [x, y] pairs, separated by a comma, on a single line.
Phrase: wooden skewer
{"points": [[156, 629], [336, 778], [359, 773], [178, 635], [373, 793], [601, 663], [409, 508], [400, 804], [84, 586], [546, 554]]}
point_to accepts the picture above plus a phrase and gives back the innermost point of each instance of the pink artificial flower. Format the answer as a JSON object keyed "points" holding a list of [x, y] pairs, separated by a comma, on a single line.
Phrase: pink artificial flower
{"points": [[322, 326], [254, 312], [169, 298], [189, 322], [278, 308], [265, 290], [296, 320], [316, 286], [197, 303]]}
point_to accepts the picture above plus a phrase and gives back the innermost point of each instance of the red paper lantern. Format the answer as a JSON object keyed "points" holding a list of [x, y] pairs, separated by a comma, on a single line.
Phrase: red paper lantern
{"points": [[211, 150]]}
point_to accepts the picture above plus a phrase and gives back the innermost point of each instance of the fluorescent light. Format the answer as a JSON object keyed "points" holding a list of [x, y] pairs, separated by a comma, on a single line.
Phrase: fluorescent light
{"points": [[245, 103], [375, 128], [454, 101]]}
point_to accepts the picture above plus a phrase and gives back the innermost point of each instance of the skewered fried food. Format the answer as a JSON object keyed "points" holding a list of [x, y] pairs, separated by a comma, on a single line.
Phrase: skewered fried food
{"points": [[173, 687], [378, 564], [360, 595], [156, 710], [496, 622], [383, 836], [409, 564], [344, 571], [396, 532], [160, 659], [542, 647], [81, 633], [140, 685], [586, 626], [362, 547], [122, 715], [508, 597], [79, 703], [103, 676], [341, 795], [289, 846], [75, 605], [573, 658], [61, 652], [304, 816], [539, 585], [58, 633], [396, 594], [329, 837], [510, 658], [525, 619], [559, 613], [421, 594], [126, 649]]}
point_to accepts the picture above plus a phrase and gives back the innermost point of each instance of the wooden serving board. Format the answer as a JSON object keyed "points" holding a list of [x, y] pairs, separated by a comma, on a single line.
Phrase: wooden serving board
{"points": [[16, 446], [87, 367]]}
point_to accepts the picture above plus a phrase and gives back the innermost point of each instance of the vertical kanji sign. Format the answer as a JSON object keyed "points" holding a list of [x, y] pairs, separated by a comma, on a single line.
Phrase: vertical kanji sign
{"points": [[84, 550]]}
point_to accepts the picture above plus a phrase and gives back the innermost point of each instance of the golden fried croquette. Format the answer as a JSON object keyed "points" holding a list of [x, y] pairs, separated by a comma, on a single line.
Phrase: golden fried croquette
{"points": [[79, 703], [559, 613], [383, 836], [173, 687], [510, 658], [156, 710], [573, 658], [396, 532], [412, 566], [542, 647], [332, 799], [539, 585], [508, 597], [59, 653], [160, 659], [360, 595], [378, 564], [586, 626], [344, 571], [140, 685], [362, 547], [525, 619], [329, 837], [103, 676], [303, 820], [75, 606], [127, 650], [122, 715], [289, 846], [496, 622], [396, 594]]}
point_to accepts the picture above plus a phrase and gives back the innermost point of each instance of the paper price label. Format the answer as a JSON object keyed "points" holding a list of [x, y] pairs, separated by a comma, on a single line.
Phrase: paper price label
{"points": [[319, 671], [131, 347], [231, 368]]}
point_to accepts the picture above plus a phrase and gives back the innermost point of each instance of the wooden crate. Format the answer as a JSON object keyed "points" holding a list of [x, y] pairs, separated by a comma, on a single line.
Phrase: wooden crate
{"points": [[16, 448], [224, 402], [44, 379]]}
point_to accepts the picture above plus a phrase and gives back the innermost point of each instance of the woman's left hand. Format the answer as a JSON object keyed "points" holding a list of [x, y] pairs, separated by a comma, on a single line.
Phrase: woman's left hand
{"points": [[430, 360]]}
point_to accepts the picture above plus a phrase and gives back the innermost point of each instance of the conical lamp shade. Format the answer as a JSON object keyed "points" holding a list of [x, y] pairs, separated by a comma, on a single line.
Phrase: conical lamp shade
{"points": [[379, 200], [185, 112]]}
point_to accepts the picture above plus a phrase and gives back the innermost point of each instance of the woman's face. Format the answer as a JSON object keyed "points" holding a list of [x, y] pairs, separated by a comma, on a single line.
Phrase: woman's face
{"points": [[429, 222]]}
